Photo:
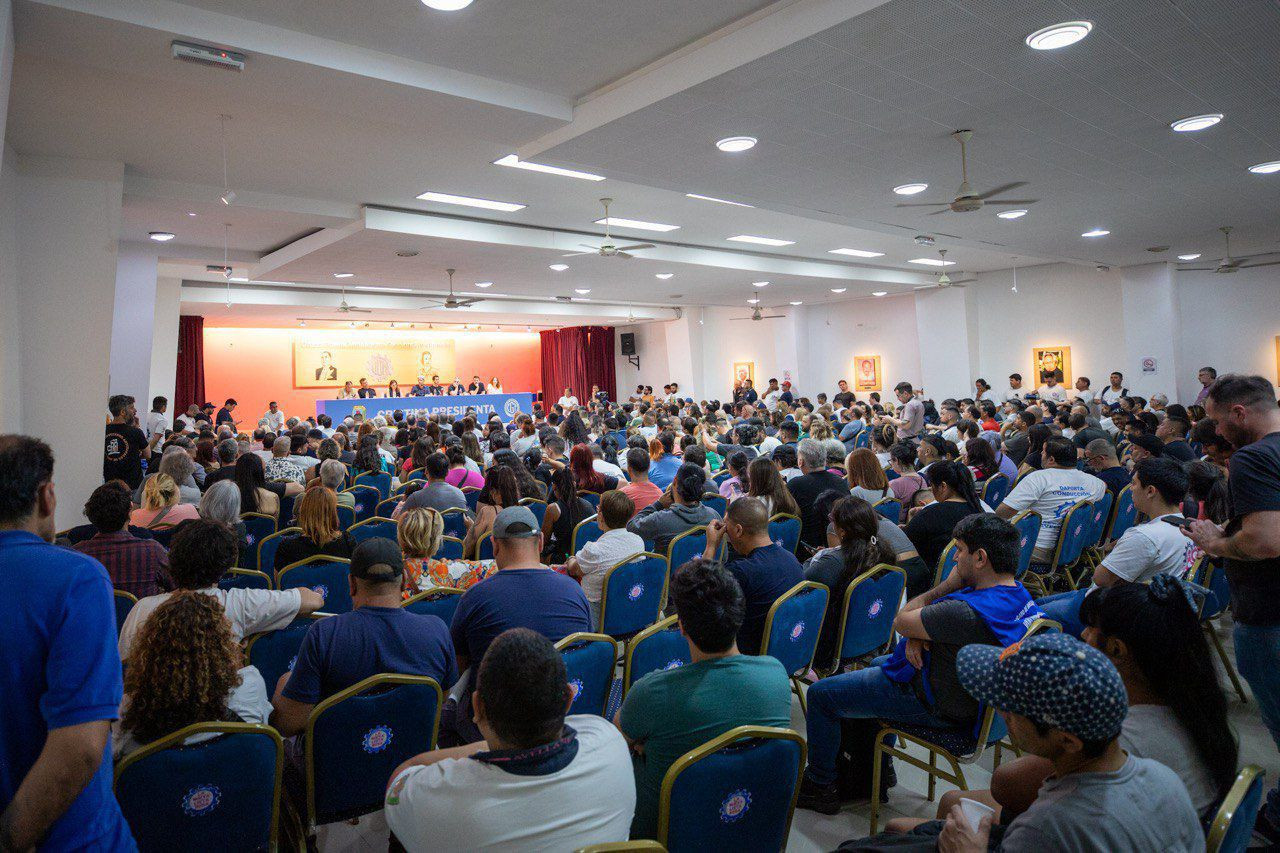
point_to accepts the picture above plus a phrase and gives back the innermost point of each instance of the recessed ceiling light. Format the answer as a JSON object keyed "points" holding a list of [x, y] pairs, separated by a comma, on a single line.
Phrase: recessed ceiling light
{"points": [[1097, 232], [856, 253], [1194, 123], [759, 284], [466, 201], [717, 200], [161, 236], [910, 189], [1011, 214], [191, 213], [516, 163], [228, 198], [1059, 35], [1189, 257], [638, 224], [663, 275], [343, 274], [583, 291], [839, 289], [239, 279], [559, 267], [754, 300], [1266, 168], [797, 303], [762, 241], [484, 284], [447, 5], [879, 293], [932, 262], [734, 144]]}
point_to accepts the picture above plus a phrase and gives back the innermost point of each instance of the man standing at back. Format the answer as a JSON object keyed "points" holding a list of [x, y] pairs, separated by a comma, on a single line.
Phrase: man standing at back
{"points": [[1244, 408], [671, 711], [59, 673], [910, 425], [126, 446]]}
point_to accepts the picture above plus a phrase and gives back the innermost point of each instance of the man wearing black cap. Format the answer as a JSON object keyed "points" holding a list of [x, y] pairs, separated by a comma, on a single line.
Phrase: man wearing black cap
{"points": [[377, 636]]}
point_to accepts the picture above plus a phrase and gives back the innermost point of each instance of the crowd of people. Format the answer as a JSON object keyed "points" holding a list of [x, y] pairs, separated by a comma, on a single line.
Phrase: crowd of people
{"points": [[1120, 714]]}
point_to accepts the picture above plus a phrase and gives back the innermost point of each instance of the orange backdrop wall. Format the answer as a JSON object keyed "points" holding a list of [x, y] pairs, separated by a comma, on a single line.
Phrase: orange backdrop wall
{"points": [[255, 366]]}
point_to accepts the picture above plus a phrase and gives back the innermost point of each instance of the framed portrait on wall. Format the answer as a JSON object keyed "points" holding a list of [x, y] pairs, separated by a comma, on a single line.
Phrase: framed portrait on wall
{"points": [[866, 373], [1051, 360], [742, 371]]}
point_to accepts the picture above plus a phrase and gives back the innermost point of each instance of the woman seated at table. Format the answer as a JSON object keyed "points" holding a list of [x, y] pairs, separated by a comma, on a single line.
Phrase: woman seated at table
{"points": [[420, 533]]}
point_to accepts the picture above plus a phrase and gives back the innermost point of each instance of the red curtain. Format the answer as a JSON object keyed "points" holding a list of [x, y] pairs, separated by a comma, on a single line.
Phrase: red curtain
{"points": [[577, 358], [190, 384]]}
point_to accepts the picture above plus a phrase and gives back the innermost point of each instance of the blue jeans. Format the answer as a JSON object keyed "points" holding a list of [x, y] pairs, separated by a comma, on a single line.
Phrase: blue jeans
{"points": [[1064, 608], [861, 694], [1258, 658]]}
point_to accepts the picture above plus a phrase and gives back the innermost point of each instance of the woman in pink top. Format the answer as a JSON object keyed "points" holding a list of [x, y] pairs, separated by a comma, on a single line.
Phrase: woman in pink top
{"points": [[908, 484], [459, 474]]}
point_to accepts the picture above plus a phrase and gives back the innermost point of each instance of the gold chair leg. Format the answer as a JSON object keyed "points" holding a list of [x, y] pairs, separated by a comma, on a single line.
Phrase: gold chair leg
{"points": [[995, 757], [933, 779], [877, 758], [795, 687], [1226, 661]]}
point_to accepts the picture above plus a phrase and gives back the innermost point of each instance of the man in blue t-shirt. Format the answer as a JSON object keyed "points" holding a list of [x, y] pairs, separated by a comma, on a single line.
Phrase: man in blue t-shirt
{"points": [[59, 672], [522, 594], [377, 636], [763, 568]]}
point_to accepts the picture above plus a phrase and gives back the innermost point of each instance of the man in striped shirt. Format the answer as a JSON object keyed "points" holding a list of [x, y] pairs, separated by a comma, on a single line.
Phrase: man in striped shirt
{"points": [[137, 566]]}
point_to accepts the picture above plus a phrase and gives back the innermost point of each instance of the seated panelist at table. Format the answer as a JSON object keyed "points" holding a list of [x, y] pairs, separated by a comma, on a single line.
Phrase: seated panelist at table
{"points": [[476, 386], [365, 391], [435, 387]]}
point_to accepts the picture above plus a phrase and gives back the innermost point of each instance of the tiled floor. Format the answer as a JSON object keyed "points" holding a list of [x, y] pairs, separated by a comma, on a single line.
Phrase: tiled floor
{"points": [[811, 831]]}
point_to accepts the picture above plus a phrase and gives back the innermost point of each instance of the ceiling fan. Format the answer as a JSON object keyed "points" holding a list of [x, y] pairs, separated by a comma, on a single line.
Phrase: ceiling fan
{"points": [[344, 308], [944, 280], [758, 314], [607, 249], [451, 301], [1230, 264], [966, 200]]}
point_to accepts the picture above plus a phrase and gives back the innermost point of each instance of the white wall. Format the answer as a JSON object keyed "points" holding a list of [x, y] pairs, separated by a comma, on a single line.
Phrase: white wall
{"points": [[164, 342], [10, 318], [132, 324], [1230, 322], [837, 332], [651, 348], [1151, 313], [942, 327]]}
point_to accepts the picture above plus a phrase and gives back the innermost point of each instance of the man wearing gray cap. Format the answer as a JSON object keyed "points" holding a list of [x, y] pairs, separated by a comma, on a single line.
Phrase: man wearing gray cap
{"points": [[523, 593]]}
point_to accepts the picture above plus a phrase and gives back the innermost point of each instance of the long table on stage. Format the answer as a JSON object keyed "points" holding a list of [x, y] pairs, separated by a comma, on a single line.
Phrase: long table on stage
{"points": [[507, 406]]}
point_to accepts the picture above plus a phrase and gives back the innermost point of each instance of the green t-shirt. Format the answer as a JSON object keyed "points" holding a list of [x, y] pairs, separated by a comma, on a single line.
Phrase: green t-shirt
{"points": [[673, 711]]}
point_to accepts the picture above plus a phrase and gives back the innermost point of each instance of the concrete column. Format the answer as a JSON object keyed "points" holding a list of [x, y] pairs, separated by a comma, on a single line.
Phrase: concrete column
{"points": [[164, 341], [133, 323], [943, 328], [6, 60], [68, 222], [10, 323], [1152, 325]]}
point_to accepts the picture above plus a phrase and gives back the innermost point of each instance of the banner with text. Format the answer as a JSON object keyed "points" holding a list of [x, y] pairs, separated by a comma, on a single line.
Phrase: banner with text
{"points": [[506, 406], [328, 359]]}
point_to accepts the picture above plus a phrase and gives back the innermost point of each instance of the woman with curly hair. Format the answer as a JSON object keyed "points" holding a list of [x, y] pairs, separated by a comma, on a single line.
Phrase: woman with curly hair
{"points": [[184, 668]]}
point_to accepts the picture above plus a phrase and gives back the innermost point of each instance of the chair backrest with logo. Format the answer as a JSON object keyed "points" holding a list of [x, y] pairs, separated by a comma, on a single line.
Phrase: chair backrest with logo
{"points": [[590, 660], [793, 625], [660, 646], [326, 575], [633, 592]]}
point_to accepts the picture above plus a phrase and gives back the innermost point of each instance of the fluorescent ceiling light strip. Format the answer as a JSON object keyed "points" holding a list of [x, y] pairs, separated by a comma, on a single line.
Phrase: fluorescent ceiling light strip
{"points": [[638, 224], [516, 163], [718, 200], [932, 262], [856, 253], [466, 201], [761, 241]]}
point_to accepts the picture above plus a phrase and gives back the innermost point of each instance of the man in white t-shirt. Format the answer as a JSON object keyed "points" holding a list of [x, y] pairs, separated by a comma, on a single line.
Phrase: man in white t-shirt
{"points": [[1051, 492], [1083, 394], [1051, 390], [1156, 547], [568, 401], [1015, 390], [539, 781], [156, 421], [771, 395], [273, 418]]}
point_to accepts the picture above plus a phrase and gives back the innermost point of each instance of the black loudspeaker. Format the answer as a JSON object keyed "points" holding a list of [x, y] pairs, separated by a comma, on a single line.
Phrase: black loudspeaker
{"points": [[628, 343]]}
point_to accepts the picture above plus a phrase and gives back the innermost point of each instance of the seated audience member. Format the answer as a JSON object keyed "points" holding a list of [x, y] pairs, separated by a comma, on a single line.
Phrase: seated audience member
{"points": [[981, 460], [763, 568], [221, 502], [1155, 547], [1051, 492], [908, 485], [1017, 435], [979, 602], [736, 485], [281, 469], [853, 548], [256, 494], [160, 504], [1215, 447], [954, 499], [322, 533], [1083, 432], [768, 486], [537, 781], [437, 494], [137, 566], [332, 475], [564, 512], [669, 712], [185, 668], [460, 474], [377, 636], [1101, 461], [523, 593], [200, 554], [1037, 435], [1173, 432], [420, 533], [866, 478], [582, 464], [326, 449], [812, 482], [641, 490], [677, 510], [1207, 493], [1144, 445], [181, 468], [500, 491], [603, 465], [663, 461], [787, 461], [615, 545]]}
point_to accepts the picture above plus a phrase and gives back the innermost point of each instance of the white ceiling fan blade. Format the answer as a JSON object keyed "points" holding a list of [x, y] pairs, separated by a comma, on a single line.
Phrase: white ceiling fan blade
{"points": [[361, 310], [580, 254], [635, 247], [924, 287], [622, 254], [1254, 266]]}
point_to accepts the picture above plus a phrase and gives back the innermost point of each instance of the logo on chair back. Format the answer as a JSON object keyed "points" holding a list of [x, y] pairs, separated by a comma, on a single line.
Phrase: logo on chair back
{"points": [[201, 800], [674, 663], [359, 507], [322, 589], [576, 687], [635, 592], [376, 739], [511, 408], [876, 606], [249, 538], [797, 631], [735, 806]]}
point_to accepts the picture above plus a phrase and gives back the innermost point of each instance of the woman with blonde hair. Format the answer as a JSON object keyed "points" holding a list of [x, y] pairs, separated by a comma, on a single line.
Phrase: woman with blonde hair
{"points": [[184, 668], [160, 504], [322, 534], [420, 531], [867, 479]]}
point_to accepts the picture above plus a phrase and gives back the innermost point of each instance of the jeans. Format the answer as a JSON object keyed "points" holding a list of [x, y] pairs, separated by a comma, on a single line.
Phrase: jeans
{"points": [[861, 694], [1258, 658], [1064, 608]]}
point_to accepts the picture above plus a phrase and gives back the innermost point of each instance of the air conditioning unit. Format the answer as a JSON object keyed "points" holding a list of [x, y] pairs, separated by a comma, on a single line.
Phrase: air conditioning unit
{"points": [[206, 55]]}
